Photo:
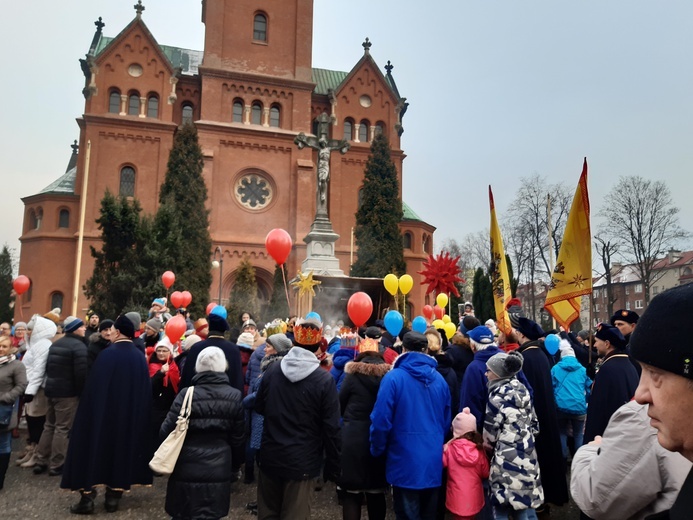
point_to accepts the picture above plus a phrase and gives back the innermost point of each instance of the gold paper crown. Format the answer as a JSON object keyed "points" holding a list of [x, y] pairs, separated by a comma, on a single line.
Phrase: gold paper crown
{"points": [[307, 334]]}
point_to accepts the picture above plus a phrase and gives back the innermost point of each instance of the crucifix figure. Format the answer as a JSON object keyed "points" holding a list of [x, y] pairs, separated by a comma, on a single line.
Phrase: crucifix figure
{"points": [[324, 146]]}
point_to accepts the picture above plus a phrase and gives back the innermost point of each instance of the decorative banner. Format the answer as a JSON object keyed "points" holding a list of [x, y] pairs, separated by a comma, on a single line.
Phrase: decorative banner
{"points": [[21, 284], [442, 300], [175, 328], [359, 308], [572, 276], [168, 278], [406, 283], [500, 280], [278, 244], [391, 284], [394, 322]]}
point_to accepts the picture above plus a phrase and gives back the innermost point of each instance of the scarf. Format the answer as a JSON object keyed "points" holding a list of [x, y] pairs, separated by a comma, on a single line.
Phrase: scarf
{"points": [[6, 359], [172, 376]]}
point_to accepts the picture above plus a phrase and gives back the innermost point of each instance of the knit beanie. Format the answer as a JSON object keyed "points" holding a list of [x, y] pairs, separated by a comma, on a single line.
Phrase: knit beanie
{"points": [[565, 349], [505, 365], [463, 422], [53, 315], [155, 324], [661, 338], [217, 323], [190, 341], [280, 343], [71, 324], [135, 318], [105, 324], [245, 339], [20, 325], [211, 359]]}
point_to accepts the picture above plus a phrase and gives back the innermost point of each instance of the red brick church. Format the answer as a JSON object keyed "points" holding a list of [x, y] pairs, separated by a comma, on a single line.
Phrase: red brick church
{"points": [[250, 92]]}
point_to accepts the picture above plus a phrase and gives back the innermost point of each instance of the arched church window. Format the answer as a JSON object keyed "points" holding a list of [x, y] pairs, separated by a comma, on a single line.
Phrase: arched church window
{"points": [[260, 27], [237, 111], [256, 113], [114, 102], [274, 116], [153, 106], [57, 300], [186, 114], [64, 218], [134, 104], [348, 129], [407, 240], [363, 131], [379, 128], [127, 182], [253, 191]]}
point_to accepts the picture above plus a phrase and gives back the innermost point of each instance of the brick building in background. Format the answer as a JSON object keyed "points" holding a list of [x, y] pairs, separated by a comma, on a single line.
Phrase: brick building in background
{"points": [[249, 93]]}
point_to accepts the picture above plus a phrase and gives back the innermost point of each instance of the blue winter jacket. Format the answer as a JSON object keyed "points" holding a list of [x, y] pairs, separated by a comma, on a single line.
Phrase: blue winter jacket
{"points": [[571, 386], [253, 370], [409, 421], [474, 389], [339, 359]]}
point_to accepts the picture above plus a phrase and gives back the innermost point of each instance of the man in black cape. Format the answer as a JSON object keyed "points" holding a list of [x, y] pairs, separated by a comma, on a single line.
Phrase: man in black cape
{"points": [[537, 369], [110, 442]]}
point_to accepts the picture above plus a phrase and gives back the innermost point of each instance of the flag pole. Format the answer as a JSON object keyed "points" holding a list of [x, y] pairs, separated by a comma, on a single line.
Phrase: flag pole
{"points": [[589, 346], [550, 232]]}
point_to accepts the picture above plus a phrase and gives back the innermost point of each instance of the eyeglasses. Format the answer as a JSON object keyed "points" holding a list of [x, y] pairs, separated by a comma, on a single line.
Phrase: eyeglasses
{"points": [[4, 328]]}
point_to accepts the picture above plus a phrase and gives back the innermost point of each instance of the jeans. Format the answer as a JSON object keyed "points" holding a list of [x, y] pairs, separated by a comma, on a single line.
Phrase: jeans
{"points": [[501, 513], [566, 422], [415, 504], [5, 442]]}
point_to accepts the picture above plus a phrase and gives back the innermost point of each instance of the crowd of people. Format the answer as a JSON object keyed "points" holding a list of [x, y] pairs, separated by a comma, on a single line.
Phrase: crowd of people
{"points": [[481, 426]]}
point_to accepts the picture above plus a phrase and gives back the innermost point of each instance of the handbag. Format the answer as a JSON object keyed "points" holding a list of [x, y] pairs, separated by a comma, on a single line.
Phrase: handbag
{"points": [[166, 456], [6, 411]]}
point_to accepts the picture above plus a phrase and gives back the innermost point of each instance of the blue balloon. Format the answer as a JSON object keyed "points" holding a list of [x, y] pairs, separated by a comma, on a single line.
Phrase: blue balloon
{"points": [[551, 343], [313, 315], [394, 322], [220, 311], [419, 324]]}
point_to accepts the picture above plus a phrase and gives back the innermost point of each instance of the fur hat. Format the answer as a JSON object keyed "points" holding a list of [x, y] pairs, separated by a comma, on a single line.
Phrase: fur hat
{"points": [[606, 332], [280, 343], [155, 324], [661, 338], [527, 327], [481, 335], [505, 365], [245, 339], [415, 341], [124, 326], [190, 341], [71, 324], [624, 315], [217, 323], [211, 359], [463, 422]]}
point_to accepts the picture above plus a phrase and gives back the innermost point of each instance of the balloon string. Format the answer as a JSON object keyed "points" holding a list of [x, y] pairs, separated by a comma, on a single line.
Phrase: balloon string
{"points": [[21, 312], [286, 287]]}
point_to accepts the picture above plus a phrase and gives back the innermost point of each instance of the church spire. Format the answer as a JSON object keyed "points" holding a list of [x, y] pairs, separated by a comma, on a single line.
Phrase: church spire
{"points": [[97, 36], [367, 46], [139, 8]]}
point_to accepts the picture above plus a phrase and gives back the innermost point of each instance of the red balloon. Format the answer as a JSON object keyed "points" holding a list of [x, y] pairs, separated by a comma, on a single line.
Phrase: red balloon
{"points": [[187, 298], [360, 308], [210, 306], [175, 328], [439, 312], [21, 284], [177, 299], [278, 244], [428, 312], [168, 278]]}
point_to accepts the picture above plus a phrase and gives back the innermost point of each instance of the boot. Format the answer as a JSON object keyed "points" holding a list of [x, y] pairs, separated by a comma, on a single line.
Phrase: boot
{"points": [[4, 462], [31, 462], [112, 500], [26, 454], [85, 506]]}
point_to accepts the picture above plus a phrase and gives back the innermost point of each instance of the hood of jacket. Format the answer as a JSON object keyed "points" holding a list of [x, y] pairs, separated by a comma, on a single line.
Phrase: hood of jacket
{"points": [[569, 364], [466, 452], [420, 366], [344, 356], [367, 368], [298, 364], [44, 329], [514, 393]]}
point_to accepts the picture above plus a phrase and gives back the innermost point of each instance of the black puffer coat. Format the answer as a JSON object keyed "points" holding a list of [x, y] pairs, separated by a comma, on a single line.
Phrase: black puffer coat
{"points": [[66, 367], [200, 485], [446, 370], [360, 470]]}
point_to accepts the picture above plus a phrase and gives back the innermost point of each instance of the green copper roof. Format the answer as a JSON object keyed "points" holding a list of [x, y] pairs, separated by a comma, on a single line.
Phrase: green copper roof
{"points": [[409, 213], [188, 60], [65, 185], [327, 79]]}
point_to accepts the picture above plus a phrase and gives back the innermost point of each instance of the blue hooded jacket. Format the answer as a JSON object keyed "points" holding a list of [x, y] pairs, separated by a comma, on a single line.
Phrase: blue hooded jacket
{"points": [[409, 421], [571, 386], [339, 359]]}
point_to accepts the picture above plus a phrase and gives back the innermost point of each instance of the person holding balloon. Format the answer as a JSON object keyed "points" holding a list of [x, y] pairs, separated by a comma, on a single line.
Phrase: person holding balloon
{"points": [[165, 378]]}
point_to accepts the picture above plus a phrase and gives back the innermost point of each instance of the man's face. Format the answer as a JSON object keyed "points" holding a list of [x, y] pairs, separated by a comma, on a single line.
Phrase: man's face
{"points": [[5, 329], [107, 333], [249, 328], [150, 331], [94, 321], [80, 331], [602, 346], [625, 327], [670, 400]]}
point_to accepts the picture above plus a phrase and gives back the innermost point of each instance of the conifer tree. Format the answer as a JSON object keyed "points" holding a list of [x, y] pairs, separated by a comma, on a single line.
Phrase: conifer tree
{"points": [[482, 297], [377, 233], [278, 308], [243, 296], [6, 298], [181, 224]]}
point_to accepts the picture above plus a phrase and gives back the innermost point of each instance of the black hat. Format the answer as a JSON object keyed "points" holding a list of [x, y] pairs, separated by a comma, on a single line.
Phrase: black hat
{"points": [[217, 323], [468, 323], [661, 338], [105, 324], [374, 332], [415, 341], [624, 315], [528, 328], [606, 332], [125, 326]]}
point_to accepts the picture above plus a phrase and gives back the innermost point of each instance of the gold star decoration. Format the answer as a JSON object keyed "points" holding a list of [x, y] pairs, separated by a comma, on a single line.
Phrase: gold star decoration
{"points": [[579, 281], [305, 284]]}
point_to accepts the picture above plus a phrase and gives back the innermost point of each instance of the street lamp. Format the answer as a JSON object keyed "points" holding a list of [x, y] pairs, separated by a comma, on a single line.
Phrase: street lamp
{"points": [[218, 264]]}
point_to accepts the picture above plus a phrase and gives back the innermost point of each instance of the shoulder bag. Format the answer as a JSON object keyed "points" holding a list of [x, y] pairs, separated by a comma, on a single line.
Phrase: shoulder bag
{"points": [[165, 458]]}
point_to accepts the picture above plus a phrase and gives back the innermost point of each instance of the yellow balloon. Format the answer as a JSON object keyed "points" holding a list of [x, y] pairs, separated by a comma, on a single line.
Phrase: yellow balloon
{"points": [[450, 329], [442, 300], [406, 282], [446, 319], [439, 324], [390, 282]]}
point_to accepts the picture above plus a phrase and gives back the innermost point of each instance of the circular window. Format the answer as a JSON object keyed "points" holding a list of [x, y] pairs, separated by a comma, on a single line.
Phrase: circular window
{"points": [[253, 191], [135, 70], [365, 101]]}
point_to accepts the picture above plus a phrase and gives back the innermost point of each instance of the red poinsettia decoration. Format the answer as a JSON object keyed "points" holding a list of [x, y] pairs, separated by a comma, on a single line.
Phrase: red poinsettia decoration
{"points": [[441, 273]]}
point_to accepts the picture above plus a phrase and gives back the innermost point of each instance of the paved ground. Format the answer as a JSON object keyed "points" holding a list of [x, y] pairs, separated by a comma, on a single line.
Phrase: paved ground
{"points": [[30, 496]]}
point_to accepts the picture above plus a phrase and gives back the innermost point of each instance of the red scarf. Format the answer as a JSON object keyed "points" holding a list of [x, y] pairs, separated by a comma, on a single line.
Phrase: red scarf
{"points": [[173, 375]]}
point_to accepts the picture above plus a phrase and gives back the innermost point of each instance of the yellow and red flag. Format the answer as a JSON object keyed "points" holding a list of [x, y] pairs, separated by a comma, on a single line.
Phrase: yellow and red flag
{"points": [[500, 280], [572, 276]]}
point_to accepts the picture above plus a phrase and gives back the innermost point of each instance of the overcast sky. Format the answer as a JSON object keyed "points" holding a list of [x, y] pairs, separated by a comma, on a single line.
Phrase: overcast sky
{"points": [[498, 90]]}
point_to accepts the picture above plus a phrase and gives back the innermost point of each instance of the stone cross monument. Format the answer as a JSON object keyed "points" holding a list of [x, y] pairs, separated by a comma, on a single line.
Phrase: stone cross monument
{"points": [[320, 241]]}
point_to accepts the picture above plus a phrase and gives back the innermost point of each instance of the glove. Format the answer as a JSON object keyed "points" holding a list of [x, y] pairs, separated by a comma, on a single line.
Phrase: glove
{"points": [[28, 398]]}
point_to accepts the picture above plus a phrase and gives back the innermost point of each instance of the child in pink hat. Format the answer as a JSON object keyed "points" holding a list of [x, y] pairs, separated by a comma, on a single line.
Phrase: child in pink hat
{"points": [[467, 466]]}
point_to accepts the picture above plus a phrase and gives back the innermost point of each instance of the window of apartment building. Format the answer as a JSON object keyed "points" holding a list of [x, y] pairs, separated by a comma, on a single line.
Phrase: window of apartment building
{"points": [[638, 287], [655, 289], [627, 289], [627, 306], [638, 304], [596, 307]]}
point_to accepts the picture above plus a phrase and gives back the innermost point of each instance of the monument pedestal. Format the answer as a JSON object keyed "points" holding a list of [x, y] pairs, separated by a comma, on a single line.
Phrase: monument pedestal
{"points": [[320, 249]]}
